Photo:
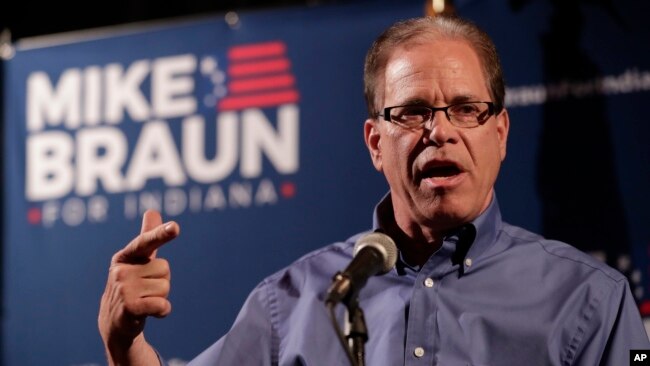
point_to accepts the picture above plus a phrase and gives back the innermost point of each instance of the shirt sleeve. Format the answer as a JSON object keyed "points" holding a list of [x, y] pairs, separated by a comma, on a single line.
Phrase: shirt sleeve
{"points": [[615, 330], [249, 341]]}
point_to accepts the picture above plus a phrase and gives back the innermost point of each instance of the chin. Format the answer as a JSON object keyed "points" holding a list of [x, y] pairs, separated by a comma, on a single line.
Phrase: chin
{"points": [[445, 219], [448, 213]]}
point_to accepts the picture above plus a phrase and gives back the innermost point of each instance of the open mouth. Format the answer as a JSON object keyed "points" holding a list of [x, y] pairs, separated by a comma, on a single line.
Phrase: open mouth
{"points": [[441, 171]]}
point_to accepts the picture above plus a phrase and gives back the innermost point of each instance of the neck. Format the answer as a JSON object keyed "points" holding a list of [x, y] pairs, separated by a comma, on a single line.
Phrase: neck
{"points": [[415, 245]]}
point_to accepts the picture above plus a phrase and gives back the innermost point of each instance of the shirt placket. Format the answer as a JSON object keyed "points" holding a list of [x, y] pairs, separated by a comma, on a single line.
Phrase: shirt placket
{"points": [[422, 335]]}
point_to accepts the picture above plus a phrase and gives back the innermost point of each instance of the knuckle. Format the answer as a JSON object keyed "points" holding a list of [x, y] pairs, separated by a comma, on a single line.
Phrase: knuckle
{"points": [[121, 290], [131, 306], [162, 307], [163, 265], [117, 273], [116, 257], [165, 287]]}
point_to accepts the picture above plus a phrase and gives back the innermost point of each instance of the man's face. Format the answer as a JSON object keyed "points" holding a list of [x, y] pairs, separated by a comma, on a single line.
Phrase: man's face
{"points": [[440, 176]]}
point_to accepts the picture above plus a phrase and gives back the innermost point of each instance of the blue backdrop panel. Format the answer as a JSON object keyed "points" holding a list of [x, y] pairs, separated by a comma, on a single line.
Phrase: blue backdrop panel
{"points": [[251, 138], [180, 117]]}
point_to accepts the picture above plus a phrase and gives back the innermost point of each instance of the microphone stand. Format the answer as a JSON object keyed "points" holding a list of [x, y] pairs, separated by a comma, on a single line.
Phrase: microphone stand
{"points": [[358, 331], [374, 254]]}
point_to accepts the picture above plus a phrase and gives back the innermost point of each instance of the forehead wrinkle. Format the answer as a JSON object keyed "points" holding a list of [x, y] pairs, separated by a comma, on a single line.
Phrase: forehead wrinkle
{"points": [[403, 77], [443, 80], [418, 87]]}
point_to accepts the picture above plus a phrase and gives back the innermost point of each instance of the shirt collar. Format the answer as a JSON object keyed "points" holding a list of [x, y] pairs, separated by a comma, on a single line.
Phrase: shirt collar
{"points": [[487, 226], [470, 240]]}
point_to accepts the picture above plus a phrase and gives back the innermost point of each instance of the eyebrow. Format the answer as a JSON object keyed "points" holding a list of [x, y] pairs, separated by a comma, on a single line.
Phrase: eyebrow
{"points": [[455, 100], [464, 98], [417, 101]]}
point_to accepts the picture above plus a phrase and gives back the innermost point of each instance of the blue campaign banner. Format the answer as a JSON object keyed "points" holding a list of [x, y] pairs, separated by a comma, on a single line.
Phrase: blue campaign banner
{"points": [[250, 137]]}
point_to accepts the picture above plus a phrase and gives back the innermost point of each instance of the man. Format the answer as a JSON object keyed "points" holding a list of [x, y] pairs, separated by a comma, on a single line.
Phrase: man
{"points": [[467, 289]]}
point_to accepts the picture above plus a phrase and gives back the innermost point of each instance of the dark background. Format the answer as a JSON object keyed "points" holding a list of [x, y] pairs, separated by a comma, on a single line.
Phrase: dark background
{"points": [[34, 18]]}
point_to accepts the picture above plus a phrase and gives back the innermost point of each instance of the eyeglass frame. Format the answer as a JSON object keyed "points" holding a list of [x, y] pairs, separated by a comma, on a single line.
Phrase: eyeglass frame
{"points": [[492, 111]]}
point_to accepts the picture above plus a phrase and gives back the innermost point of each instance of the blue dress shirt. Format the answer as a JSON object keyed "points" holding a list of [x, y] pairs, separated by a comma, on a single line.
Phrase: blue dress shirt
{"points": [[493, 294]]}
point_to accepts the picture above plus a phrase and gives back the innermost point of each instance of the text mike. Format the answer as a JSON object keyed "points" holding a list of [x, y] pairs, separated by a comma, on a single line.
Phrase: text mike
{"points": [[374, 254]]}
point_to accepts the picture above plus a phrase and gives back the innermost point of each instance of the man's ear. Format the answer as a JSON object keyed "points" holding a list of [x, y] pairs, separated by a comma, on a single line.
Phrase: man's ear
{"points": [[503, 126], [373, 142]]}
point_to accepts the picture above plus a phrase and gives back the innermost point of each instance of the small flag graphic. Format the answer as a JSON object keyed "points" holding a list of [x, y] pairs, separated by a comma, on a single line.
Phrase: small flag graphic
{"points": [[259, 75]]}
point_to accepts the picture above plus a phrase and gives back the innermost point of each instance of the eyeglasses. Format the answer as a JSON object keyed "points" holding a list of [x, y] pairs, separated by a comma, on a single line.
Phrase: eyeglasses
{"points": [[465, 115]]}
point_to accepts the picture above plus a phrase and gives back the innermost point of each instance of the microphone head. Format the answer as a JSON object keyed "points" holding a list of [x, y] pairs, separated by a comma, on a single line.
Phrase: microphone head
{"points": [[383, 244]]}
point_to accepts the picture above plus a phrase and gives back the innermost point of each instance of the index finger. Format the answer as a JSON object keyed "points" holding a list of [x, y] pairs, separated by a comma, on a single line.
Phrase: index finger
{"points": [[144, 246], [150, 220]]}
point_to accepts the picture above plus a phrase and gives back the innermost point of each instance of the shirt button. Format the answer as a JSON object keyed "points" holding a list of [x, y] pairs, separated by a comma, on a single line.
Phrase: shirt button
{"points": [[418, 352], [468, 262], [428, 282]]}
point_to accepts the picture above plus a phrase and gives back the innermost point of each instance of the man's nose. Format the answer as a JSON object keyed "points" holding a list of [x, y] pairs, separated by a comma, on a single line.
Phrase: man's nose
{"points": [[439, 129]]}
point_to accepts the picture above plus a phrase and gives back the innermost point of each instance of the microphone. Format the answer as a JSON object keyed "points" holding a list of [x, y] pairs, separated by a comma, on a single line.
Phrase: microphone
{"points": [[374, 254]]}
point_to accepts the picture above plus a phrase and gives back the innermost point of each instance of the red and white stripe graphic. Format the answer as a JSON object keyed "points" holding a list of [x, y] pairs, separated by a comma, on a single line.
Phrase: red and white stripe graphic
{"points": [[259, 75]]}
